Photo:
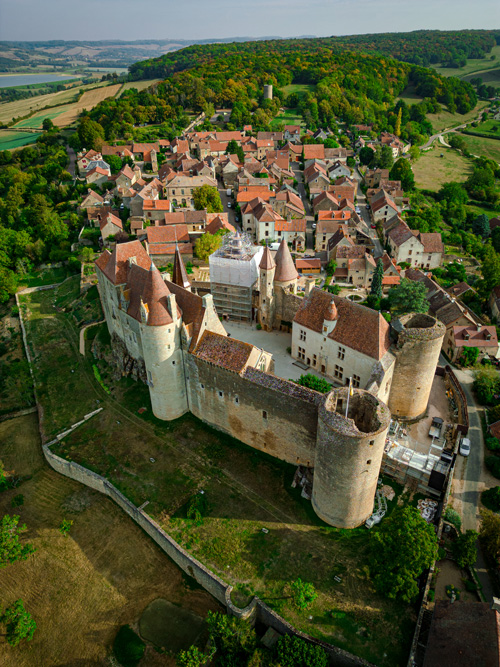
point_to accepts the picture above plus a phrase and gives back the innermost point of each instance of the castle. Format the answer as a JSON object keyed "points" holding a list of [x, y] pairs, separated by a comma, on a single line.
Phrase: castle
{"points": [[180, 348]]}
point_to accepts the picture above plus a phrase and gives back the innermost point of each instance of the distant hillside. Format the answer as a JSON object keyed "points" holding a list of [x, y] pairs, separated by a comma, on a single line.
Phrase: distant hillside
{"points": [[112, 53]]}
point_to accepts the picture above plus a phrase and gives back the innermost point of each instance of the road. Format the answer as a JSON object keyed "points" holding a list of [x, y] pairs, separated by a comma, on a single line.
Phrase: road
{"points": [[439, 135], [230, 211], [468, 473], [365, 215]]}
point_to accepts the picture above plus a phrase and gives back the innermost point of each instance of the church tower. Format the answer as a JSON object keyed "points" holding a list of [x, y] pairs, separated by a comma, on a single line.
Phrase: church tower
{"points": [[267, 268]]}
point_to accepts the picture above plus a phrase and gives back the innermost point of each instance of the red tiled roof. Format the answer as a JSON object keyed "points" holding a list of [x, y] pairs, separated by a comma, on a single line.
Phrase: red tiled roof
{"points": [[475, 338], [169, 248], [229, 353], [294, 225], [115, 265], [167, 234], [308, 263], [312, 151], [156, 205], [391, 280], [359, 328], [285, 268]]}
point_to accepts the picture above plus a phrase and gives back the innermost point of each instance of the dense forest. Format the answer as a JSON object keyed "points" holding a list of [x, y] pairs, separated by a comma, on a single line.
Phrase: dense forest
{"points": [[344, 85]]}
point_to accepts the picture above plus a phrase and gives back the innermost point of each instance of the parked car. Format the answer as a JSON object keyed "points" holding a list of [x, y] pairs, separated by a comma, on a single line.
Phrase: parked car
{"points": [[464, 448], [229, 204], [373, 226], [368, 206], [314, 226]]}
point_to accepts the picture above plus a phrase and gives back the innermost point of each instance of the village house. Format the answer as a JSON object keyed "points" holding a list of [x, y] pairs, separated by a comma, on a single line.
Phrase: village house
{"points": [[355, 265], [313, 152], [289, 205], [85, 157], [92, 199], [325, 201], [481, 336], [292, 133], [292, 231], [308, 265], [110, 226], [180, 189], [338, 169], [161, 243], [344, 188], [416, 248], [98, 176], [382, 207], [494, 303], [328, 223], [374, 177]]}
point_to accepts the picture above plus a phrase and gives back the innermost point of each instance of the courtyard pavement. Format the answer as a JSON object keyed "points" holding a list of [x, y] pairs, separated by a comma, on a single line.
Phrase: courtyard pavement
{"points": [[274, 342]]}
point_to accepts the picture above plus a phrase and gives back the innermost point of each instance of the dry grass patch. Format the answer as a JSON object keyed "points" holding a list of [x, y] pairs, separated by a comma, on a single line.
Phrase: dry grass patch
{"points": [[79, 588], [431, 170], [88, 101], [446, 120]]}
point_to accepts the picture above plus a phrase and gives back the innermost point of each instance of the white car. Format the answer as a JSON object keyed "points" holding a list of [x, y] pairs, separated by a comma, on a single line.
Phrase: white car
{"points": [[314, 226], [464, 448], [229, 204]]}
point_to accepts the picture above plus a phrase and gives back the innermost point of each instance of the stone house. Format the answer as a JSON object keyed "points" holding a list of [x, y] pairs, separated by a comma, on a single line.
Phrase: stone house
{"points": [[328, 223], [110, 225], [355, 265], [416, 248], [161, 243], [291, 133], [338, 169], [97, 176], [374, 177], [180, 189], [481, 336]]}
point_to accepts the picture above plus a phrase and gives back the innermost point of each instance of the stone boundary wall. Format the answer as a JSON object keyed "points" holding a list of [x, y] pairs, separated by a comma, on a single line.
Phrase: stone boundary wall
{"points": [[451, 380]]}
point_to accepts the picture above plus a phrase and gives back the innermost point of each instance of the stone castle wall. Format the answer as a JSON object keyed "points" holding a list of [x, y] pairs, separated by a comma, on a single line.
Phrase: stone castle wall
{"points": [[273, 415]]}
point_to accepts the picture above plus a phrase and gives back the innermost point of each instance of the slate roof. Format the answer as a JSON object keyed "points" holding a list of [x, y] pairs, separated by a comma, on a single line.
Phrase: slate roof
{"points": [[358, 327]]}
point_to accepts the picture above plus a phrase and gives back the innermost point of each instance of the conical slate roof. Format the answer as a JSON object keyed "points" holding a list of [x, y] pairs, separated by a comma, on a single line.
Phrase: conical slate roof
{"points": [[267, 262], [154, 295], [180, 275], [285, 268]]}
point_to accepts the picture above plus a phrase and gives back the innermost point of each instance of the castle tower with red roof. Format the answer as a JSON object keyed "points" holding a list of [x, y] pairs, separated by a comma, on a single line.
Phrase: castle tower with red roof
{"points": [[267, 268]]}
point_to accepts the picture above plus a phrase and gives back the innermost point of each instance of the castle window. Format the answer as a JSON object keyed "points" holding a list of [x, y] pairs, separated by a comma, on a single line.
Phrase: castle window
{"points": [[150, 379], [368, 462], [237, 400], [372, 442], [356, 380], [221, 394], [338, 372], [302, 334], [341, 353], [264, 414], [173, 363], [202, 386]]}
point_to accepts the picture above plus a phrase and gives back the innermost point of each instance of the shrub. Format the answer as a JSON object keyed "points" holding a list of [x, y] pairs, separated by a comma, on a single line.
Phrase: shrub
{"points": [[18, 500], [432, 595], [128, 647], [303, 593], [450, 589], [453, 517], [258, 327], [312, 382], [491, 498], [492, 443], [465, 550], [493, 465], [292, 651], [470, 586]]}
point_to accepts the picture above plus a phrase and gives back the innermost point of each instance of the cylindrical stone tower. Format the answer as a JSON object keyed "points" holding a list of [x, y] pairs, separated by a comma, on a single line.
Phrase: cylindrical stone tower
{"points": [[268, 92], [348, 456], [419, 340]]}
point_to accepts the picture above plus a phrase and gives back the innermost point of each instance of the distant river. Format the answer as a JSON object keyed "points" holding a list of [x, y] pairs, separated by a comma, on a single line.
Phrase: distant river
{"points": [[14, 80]]}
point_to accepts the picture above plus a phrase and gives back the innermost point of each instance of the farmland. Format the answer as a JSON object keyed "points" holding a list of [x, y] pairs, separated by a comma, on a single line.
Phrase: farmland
{"points": [[138, 85], [483, 146], [431, 170], [475, 67], [490, 127], [79, 589], [88, 101], [10, 139], [445, 119]]}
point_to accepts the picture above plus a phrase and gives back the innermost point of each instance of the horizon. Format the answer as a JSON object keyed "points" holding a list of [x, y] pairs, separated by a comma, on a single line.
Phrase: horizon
{"points": [[71, 21]]}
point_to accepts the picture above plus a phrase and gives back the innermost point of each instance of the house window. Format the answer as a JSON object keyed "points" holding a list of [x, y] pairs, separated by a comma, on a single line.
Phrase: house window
{"points": [[315, 360], [338, 372], [368, 462], [302, 353], [409, 253], [264, 414], [341, 353], [302, 334], [356, 380]]}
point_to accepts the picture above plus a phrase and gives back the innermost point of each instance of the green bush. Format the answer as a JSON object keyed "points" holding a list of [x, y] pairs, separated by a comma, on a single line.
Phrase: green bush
{"points": [[258, 327], [432, 595], [493, 465], [470, 586], [293, 651], [491, 498], [128, 647], [453, 517], [492, 443], [18, 500]]}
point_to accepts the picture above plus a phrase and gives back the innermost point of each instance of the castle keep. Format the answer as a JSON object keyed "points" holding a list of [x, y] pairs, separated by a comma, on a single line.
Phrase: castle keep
{"points": [[181, 348]]}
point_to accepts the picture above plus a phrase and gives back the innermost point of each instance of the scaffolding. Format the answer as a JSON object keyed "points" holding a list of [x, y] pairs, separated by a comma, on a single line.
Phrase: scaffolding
{"points": [[234, 270]]}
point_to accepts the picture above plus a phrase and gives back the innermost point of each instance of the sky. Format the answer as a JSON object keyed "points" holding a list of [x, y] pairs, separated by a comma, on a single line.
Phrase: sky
{"points": [[198, 19]]}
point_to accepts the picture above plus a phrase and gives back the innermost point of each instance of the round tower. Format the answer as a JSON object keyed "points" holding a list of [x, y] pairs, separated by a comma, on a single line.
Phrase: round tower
{"points": [[418, 344], [349, 453], [268, 92], [267, 268], [160, 328]]}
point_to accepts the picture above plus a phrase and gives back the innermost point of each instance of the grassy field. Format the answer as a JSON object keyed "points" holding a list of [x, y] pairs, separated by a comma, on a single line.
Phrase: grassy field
{"points": [[37, 119], [490, 127], [87, 101], [246, 491], [483, 146], [299, 88], [474, 66], [10, 139], [80, 589], [138, 85], [490, 77], [445, 119], [431, 170], [288, 117], [409, 96], [16, 387]]}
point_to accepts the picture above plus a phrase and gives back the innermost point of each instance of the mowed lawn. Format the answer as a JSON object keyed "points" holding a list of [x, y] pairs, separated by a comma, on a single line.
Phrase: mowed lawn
{"points": [[245, 491], [490, 127], [483, 146], [299, 88], [288, 117], [431, 170], [445, 119], [79, 589]]}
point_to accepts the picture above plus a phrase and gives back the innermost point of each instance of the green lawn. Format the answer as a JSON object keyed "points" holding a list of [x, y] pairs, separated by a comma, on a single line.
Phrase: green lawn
{"points": [[490, 77], [245, 491], [431, 170], [474, 66], [37, 119], [483, 146], [409, 96], [289, 117], [9, 139], [299, 88], [445, 119], [490, 127]]}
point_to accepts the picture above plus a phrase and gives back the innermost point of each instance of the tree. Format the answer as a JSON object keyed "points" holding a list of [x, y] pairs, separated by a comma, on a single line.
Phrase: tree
{"points": [[491, 498], [376, 286], [193, 657], [402, 171], [489, 534], [469, 356], [408, 297], [233, 638], [486, 384], [90, 134], [128, 647], [481, 226], [207, 197], [8, 284], [114, 162], [206, 245], [303, 593], [313, 382], [234, 148], [490, 268], [464, 549], [397, 126], [386, 158], [292, 651], [495, 238], [366, 156], [11, 549], [404, 546], [453, 517], [18, 622], [47, 125], [331, 267]]}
